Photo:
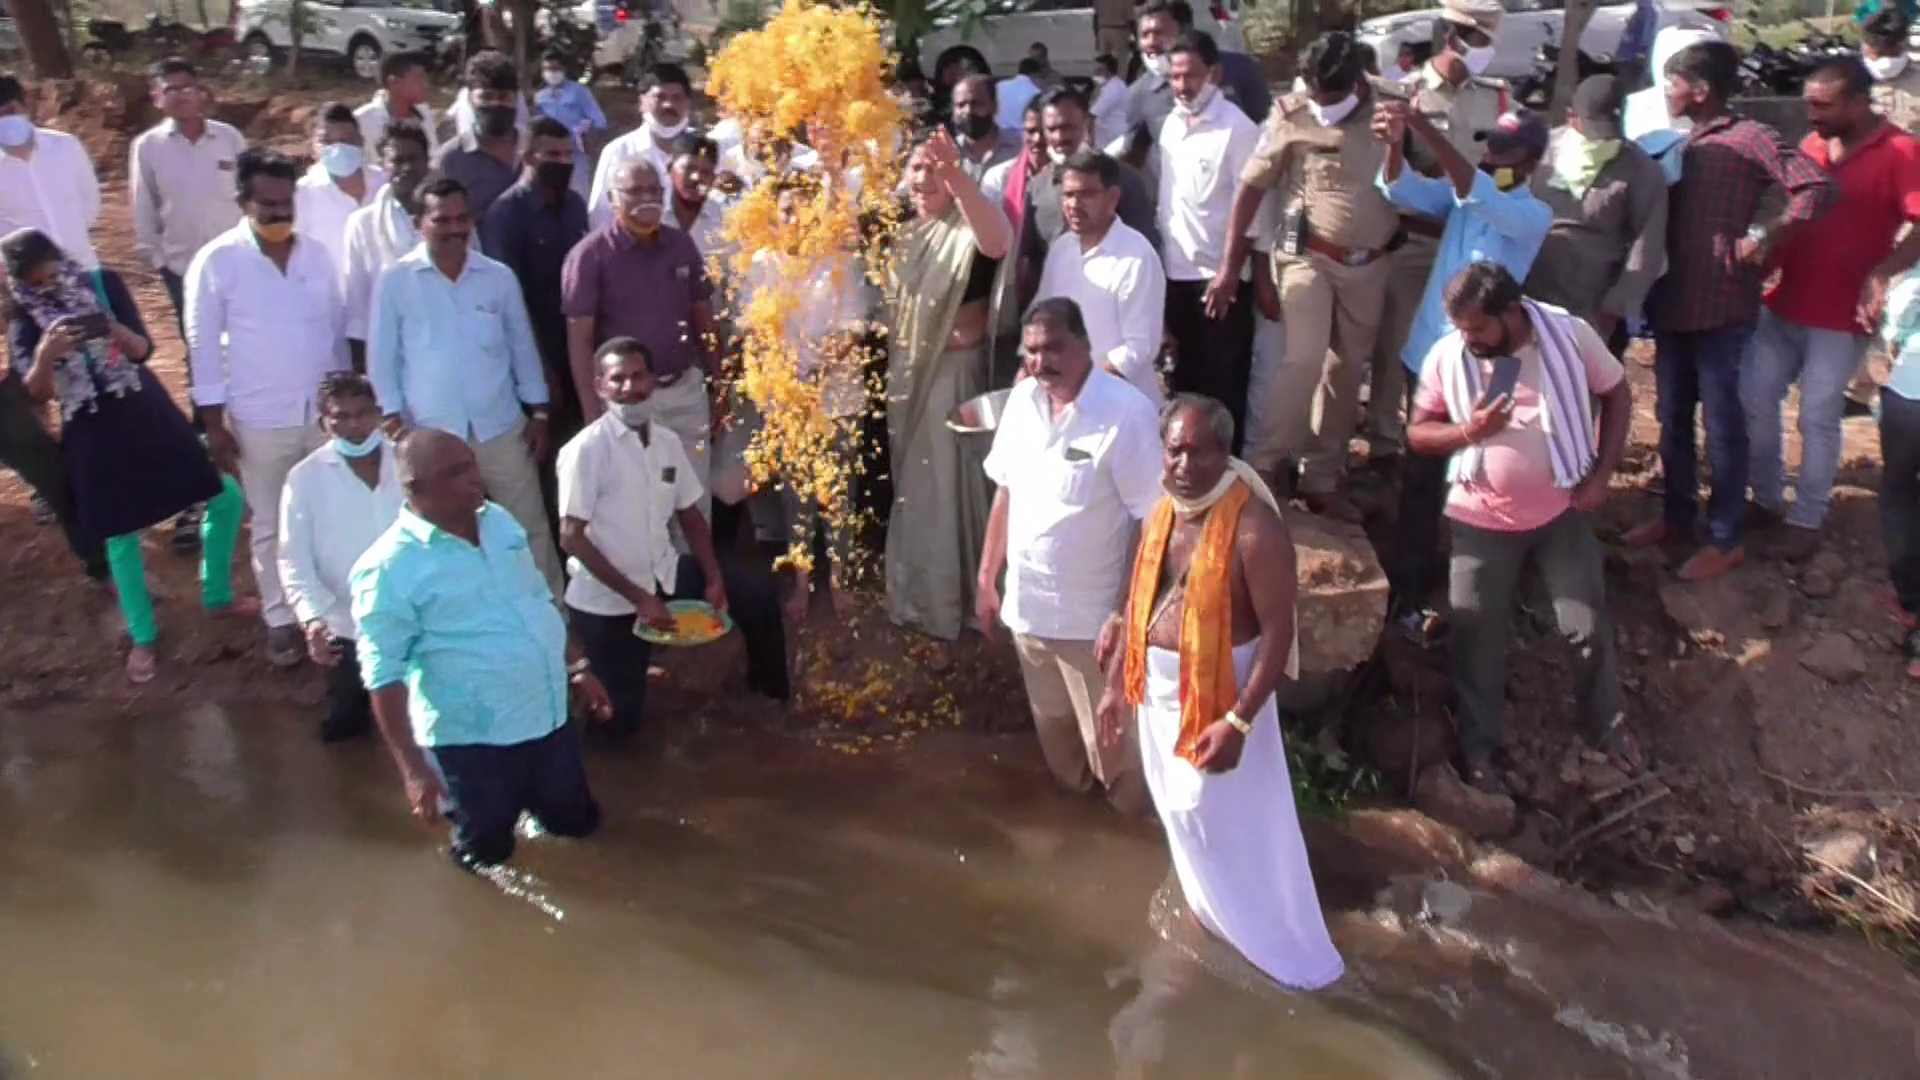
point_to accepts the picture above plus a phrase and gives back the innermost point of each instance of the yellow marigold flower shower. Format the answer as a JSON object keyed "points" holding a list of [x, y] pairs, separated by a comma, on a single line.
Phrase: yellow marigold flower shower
{"points": [[817, 73]]}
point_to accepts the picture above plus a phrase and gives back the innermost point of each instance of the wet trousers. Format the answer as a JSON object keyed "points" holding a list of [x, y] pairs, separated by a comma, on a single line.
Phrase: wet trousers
{"points": [[490, 786]]}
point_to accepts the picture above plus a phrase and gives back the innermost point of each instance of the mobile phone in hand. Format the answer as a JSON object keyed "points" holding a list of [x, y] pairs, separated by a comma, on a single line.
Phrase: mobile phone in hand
{"points": [[1506, 375], [89, 327]]}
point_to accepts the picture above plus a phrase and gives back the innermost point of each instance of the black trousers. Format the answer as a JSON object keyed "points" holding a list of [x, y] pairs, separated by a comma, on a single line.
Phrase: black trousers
{"points": [[349, 708], [1213, 357], [619, 659], [490, 786], [27, 449], [1413, 562], [1900, 495]]}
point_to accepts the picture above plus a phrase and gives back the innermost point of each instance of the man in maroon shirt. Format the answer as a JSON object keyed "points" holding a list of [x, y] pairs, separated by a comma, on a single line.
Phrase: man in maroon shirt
{"points": [[632, 278], [1703, 311], [1827, 298]]}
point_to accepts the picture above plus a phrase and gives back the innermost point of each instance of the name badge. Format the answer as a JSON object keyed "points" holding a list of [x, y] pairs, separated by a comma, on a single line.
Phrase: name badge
{"points": [[667, 474], [682, 273], [1076, 456], [223, 166]]}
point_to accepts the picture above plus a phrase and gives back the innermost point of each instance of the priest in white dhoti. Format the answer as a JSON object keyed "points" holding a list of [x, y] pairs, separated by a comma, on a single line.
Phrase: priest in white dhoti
{"points": [[1206, 638]]}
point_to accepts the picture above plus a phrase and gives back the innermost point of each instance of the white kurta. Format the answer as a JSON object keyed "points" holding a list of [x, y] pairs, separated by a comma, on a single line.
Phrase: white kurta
{"points": [[1235, 836]]}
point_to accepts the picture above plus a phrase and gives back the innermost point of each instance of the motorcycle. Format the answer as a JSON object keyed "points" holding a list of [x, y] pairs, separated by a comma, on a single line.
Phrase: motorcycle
{"points": [[1535, 89], [109, 40]]}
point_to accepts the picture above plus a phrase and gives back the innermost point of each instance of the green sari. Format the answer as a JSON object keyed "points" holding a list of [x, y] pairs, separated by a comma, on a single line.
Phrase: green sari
{"points": [[941, 496]]}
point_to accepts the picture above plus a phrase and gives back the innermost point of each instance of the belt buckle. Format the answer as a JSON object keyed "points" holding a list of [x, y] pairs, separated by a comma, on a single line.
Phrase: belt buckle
{"points": [[1356, 257]]}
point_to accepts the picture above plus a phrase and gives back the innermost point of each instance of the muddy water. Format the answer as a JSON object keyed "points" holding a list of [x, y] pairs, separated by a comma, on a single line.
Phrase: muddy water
{"points": [[214, 895]]}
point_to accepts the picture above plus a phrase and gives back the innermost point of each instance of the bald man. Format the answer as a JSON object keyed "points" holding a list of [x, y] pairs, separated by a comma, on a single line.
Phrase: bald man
{"points": [[631, 278], [464, 651]]}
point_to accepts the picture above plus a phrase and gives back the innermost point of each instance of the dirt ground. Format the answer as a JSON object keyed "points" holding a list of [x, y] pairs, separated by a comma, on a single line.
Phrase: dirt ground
{"points": [[1772, 703]]}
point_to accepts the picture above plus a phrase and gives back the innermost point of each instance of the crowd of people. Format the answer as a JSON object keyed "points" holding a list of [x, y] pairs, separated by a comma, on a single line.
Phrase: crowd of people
{"points": [[473, 392]]}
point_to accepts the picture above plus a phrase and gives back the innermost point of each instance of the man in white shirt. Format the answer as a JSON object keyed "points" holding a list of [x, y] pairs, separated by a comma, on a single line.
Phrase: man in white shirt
{"points": [[1077, 457], [666, 100], [1110, 272], [1109, 106], [339, 183], [692, 206], [379, 233], [622, 480], [1202, 148], [46, 179], [265, 323], [404, 94], [335, 504]]}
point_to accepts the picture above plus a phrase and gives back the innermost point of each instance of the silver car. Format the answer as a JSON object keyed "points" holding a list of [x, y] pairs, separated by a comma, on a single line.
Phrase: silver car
{"points": [[361, 32], [1530, 24]]}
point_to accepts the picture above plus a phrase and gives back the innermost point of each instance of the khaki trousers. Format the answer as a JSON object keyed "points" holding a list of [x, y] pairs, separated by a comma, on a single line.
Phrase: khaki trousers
{"points": [[514, 483], [1332, 315], [1407, 274], [267, 455], [1063, 689]]}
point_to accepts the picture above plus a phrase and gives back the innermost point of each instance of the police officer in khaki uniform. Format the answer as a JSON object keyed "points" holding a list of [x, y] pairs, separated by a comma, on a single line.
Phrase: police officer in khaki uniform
{"points": [[1329, 265], [1455, 98]]}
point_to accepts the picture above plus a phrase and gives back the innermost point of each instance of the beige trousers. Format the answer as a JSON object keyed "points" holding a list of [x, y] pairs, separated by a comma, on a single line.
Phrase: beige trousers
{"points": [[267, 455], [1063, 689], [514, 483], [1332, 315], [1408, 271]]}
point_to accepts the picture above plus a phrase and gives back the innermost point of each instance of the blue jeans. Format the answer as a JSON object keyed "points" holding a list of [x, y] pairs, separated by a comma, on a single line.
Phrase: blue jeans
{"points": [[1699, 370], [1823, 362]]}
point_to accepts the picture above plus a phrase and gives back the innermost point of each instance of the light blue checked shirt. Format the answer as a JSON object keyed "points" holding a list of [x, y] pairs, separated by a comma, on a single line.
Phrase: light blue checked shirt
{"points": [[454, 355], [473, 632], [573, 105]]}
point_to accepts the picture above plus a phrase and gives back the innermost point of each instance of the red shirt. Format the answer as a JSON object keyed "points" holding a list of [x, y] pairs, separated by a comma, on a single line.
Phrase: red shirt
{"points": [[1825, 264]]}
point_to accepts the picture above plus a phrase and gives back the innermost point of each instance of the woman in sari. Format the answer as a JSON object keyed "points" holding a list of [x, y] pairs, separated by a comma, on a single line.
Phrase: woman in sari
{"points": [[132, 456], [948, 289]]}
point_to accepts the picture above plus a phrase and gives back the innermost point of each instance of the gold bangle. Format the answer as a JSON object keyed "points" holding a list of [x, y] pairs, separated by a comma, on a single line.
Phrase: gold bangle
{"points": [[1239, 725]]}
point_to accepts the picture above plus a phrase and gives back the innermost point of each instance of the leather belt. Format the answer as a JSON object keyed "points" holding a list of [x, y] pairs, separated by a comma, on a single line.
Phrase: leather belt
{"points": [[1420, 225], [1343, 255]]}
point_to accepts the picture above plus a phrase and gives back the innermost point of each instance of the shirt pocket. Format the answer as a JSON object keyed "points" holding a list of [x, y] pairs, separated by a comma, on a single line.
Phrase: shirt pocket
{"points": [[1076, 474], [486, 320]]}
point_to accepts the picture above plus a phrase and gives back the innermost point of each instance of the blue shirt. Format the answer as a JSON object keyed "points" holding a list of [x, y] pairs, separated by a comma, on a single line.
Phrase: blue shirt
{"points": [[454, 355], [1504, 227], [572, 105], [1901, 332], [473, 632]]}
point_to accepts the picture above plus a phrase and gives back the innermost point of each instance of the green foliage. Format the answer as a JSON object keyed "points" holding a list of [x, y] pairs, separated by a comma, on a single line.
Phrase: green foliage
{"points": [[1325, 781]]}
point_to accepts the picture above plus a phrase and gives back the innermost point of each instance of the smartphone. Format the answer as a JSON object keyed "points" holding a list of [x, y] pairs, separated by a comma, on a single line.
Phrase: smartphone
{"points": [[89, 327], [1506, 374]]}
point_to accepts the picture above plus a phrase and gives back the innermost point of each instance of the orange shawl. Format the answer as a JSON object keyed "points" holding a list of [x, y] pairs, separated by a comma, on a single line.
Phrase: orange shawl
{"points": [[1208, 683]]}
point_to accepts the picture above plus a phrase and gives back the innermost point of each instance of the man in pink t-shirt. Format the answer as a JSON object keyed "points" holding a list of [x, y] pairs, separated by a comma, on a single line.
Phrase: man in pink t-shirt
{"points": [[1509, 397]]}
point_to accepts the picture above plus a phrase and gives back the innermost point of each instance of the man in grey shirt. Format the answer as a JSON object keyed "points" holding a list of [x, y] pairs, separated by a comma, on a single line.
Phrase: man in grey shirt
{"points": [[485, 158], [977, 131], [1066, 120]]}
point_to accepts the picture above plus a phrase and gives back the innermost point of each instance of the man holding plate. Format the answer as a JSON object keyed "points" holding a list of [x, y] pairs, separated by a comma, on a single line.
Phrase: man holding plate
{"points": [[622, 480]]}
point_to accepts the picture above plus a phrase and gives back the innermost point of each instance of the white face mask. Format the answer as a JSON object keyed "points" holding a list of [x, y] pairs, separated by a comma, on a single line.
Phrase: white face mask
{"points": [[1329, 115], [662, 133], [1886, 67], [554, 78], [1200, 103], [1157, 65], [1478, 60], [1059, 158]]}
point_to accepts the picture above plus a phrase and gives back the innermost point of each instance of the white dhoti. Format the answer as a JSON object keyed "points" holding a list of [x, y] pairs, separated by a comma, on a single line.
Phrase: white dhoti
{"points": [[1235, 836]]}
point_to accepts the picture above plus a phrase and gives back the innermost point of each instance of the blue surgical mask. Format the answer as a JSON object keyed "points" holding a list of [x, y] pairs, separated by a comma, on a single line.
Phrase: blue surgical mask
{"points": [[349, 449], [341, 159], [15, 131]]}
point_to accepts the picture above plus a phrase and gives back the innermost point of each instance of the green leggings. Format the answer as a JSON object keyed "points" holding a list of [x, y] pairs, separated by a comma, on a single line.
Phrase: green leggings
{"points": [[219, 531]]}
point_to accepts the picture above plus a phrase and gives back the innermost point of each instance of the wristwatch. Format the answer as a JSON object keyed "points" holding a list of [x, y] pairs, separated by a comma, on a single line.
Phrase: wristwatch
{"points": [[1239, 725], [577, 669], [537, 414]]}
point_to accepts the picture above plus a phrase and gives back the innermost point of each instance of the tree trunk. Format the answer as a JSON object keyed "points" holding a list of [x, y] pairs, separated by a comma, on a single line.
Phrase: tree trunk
{"points": [[524, 13], [1574, 26], [40, 38], [296, 32]]}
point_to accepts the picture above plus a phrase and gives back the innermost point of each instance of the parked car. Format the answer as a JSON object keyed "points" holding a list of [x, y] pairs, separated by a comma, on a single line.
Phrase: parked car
{"points": [[998, 43], [634, 35], [360, 32], [1532, 23]]}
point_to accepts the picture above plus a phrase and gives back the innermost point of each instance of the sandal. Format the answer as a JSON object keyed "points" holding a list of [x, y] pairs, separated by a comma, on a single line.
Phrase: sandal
{"points": [[141, 664], [1621, 748]]}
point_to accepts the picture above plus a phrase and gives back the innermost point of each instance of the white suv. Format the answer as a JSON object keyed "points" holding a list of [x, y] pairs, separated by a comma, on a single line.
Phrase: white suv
{"points": [[1066, 27], [1530, 24], [360, 31]]}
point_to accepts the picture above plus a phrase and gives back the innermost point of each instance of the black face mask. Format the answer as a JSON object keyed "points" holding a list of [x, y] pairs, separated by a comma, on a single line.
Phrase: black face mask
{"points": [[495, 121], [555, 176], [971, 126]]}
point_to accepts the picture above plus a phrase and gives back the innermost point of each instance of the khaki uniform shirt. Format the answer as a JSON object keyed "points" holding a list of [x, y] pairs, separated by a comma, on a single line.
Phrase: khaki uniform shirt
{"points": [[1462, 112], [1898, 99], [1608, 245], [1330, 172]]}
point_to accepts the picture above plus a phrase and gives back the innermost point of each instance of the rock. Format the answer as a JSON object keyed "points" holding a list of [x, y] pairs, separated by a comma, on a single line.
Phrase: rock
{"points": [[1714, 899], [1844, 850], [1777, 612], [1818, 584], [1399, 743], [1530, 843], [1835, 658], [1443, 796], [1445, 902], [1343, 593]]}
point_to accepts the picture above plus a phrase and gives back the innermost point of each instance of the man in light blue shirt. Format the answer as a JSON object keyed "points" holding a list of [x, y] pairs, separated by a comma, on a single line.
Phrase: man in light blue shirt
{"points": [[451, 348], [1491, 215], [563, 99], [466, 657]]}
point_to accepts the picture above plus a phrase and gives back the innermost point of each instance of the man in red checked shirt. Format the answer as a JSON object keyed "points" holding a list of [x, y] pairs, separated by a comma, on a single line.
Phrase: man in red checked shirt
{"points": [[1704, 310], [1827, 300]]}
